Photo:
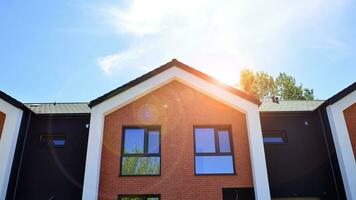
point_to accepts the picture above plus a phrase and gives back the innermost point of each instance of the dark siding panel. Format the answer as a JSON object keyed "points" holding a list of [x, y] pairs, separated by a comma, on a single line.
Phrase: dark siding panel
{"points": [[54, 173], [300, 168]]}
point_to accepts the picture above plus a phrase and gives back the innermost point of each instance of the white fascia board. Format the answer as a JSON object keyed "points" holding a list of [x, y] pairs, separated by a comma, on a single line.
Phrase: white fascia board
{"points": [[8, 142], [342, 142], [92, 172]]}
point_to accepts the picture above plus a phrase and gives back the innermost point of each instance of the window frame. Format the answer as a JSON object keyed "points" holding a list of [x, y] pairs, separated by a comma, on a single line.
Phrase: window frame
{"points": [[139, 196], [145, 148], [271, 133], [217, 152]]}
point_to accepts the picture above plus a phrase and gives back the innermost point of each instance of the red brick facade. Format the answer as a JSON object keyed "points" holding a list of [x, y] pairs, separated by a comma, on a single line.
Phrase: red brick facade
{"points": [[176, 108], [2, 121], [350, 117]]}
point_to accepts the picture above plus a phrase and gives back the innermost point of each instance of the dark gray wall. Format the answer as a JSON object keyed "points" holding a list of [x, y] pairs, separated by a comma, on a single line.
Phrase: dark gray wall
{"points": [[53, 173], [301, 167]]}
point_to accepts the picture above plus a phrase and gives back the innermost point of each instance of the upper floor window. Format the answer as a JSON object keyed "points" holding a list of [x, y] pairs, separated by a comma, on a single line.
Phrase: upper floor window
{"points": [[53, 140], [274, 137], [2, 121], [213, 150], [140, 154]]}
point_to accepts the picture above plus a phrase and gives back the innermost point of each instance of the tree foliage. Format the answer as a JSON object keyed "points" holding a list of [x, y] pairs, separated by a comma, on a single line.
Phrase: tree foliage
{"points": [[263, 86], [140, 165]]}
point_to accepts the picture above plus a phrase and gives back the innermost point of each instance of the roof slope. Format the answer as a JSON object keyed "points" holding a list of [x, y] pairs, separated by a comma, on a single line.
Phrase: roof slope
{"points": [[290, 106], [59, 108], [173, 63], [340, 95], [11, 100]]}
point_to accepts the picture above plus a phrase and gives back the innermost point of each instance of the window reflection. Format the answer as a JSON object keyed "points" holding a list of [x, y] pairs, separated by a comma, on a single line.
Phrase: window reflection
{"points": [[214, 165], [140, 166]]}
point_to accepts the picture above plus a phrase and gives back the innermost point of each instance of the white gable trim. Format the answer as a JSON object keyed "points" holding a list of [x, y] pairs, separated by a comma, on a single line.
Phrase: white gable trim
{"points": [[8, 142], [342, 142], [92, 168]]}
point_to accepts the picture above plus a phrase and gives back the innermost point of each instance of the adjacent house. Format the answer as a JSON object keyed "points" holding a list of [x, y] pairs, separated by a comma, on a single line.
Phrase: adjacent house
{"points": [[177, 133]]}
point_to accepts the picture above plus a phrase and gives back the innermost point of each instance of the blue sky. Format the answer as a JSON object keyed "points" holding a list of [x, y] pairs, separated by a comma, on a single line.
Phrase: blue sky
{"points": [[78, 50]]}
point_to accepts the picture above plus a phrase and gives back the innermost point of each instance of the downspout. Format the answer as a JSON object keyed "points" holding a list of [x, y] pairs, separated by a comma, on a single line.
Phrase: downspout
{"points": [[328, 149], [22, 154]]}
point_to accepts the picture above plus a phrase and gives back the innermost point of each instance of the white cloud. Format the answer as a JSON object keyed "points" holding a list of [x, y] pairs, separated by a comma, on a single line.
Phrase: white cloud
{"points": [[112, 62], [224, 36]]}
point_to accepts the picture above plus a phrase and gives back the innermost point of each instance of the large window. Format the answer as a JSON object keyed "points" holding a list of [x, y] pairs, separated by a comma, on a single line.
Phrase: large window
{"points": [[53, 140], [139, 197], [213, 150], [274, 137], [140, 153]]}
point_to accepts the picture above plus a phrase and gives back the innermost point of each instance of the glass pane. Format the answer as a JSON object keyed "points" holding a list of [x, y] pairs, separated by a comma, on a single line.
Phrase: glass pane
{"points": [[132, 198], [224, 141], [153, 142], [153, 198], [204, 140], [214, 165], [134, 141], [140, 166], [267, 139], [53, 141], [59, 142]]}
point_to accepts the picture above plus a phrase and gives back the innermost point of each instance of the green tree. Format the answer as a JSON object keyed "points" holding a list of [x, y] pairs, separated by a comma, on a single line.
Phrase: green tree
{"points": [[247, 79], [263, 85]]}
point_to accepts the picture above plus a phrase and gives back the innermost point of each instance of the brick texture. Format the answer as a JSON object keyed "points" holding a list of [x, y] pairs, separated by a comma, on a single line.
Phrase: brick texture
{"points": [[350, 117], [176, 108], [2, 121]]}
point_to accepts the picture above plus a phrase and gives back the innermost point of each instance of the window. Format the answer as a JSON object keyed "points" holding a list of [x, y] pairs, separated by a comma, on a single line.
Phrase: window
{"points": [[53, 140], [139, 197], [213, 150], [140, 154], [274, 137], [2, 121]]}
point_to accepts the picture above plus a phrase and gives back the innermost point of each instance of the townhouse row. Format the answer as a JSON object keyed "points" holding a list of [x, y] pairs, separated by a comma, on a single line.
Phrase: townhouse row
{"points": [[177, 133]]}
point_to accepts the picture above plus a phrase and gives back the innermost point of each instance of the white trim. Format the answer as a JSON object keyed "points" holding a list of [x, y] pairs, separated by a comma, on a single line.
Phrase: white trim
{"points": [[8, 142], [92, 169], [342, 142]]}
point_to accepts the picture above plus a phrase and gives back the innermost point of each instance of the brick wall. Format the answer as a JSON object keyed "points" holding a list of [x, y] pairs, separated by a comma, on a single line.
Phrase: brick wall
{"points": [[2, 121], [350, 117], [176, 108]]}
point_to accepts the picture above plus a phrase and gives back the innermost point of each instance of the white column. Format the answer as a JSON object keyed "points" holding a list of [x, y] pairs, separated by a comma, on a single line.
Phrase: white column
{"points": [[257, 153], [92, 165], [8, 143], [342, 143]]}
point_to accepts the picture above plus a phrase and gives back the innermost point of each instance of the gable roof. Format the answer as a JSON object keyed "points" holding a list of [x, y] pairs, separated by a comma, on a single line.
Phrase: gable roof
{"points": [[11, 100], [173, 63], [290, 106], [59, 108], [340, 95]]}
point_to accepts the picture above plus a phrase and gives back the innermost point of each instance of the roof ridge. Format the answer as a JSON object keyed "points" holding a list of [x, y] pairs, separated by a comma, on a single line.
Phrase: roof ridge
{"points": [[160, 69]]}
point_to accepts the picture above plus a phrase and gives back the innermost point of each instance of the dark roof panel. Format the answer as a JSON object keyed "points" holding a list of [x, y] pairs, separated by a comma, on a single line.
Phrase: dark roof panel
{"points": [[59, 108], [290, 106], [173, 63]]}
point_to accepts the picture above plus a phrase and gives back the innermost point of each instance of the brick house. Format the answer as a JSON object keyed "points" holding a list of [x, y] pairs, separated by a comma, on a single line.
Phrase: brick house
{"points": [[177, 133]]}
